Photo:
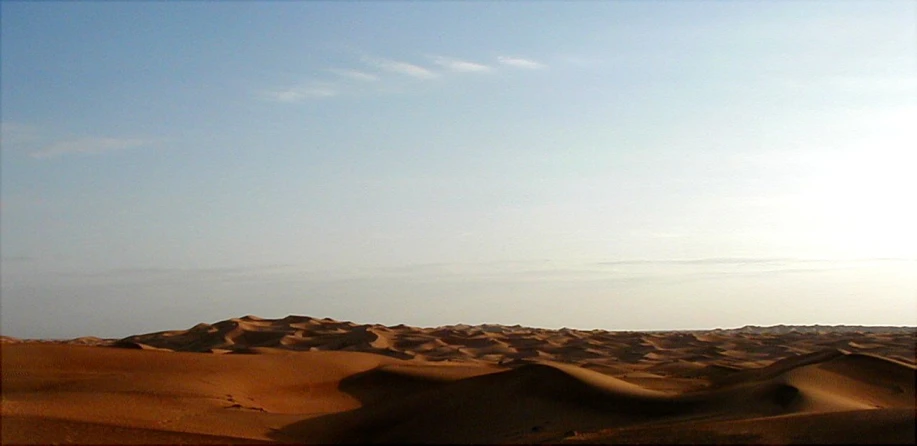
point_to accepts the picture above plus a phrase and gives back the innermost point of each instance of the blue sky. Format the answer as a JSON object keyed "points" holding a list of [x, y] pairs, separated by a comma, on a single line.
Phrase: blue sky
{"points": [[617, 165]]}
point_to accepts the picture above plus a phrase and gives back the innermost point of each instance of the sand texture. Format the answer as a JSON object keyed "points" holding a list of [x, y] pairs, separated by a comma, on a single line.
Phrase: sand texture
{"points": [[320, 381]]}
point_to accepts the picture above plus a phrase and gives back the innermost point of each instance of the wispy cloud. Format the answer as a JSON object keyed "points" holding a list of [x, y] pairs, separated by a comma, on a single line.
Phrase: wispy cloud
{"points": [[394, 66], [384, 75], [87, 146], [13, 133], [217, 271], [519, 62], [301, 92], [17, 259], [754, 261], [664, 270], [463, 66], [707, 261], [153, 274], [354, 74]]}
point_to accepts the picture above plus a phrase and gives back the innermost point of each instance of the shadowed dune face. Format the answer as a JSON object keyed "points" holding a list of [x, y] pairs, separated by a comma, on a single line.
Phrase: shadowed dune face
{"points": [[308, 380]]}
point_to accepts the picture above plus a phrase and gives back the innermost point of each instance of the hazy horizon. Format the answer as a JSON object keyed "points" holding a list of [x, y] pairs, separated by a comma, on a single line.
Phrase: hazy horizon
{"points": [[483, 324], [610, 165]]}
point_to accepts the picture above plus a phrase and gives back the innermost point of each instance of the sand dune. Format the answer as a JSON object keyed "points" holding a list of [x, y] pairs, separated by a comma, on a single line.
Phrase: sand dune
{"points": [[495, 344], [308, 380]]}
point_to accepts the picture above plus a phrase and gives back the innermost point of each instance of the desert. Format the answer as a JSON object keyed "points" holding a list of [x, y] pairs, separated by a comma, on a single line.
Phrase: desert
{"points": [[312, 380], [458, 222]]}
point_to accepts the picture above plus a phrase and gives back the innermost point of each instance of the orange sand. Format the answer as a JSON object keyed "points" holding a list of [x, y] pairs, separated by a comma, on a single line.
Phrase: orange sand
{"points": [[305, 380]]}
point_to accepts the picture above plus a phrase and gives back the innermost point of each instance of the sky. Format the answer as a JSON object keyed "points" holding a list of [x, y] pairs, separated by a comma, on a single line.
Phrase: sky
{"points": [[618, 165]]}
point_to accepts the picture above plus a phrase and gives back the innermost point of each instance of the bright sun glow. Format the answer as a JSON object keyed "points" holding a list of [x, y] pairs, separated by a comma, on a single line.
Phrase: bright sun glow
{"points": [[861, 203]]}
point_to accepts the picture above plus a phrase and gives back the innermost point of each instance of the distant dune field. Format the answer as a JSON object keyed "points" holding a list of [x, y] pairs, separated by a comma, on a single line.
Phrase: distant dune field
{"points": [[319, 381]]}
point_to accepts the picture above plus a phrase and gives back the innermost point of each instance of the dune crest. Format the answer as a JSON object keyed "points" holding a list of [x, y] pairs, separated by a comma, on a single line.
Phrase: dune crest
{"points": [[748, 347], [307, 380]]}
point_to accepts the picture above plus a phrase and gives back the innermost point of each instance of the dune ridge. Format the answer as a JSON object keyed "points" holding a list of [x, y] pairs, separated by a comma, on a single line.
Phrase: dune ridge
{"points": [[495, 344], [318, 381]]}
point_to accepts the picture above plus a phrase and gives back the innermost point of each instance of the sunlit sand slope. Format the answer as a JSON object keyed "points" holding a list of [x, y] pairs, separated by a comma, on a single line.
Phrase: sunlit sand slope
{"points": [[304, 380]]}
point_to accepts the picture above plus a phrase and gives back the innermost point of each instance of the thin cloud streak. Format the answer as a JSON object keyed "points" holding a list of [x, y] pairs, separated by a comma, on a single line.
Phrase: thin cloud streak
{"points": [[462, 66], [519, 62], [256, 273], [318, 89], [703, 261], [355, 75], [16, 259], [213, 271], [746, 261], [12, 133], [301, 93], [87, 146], [407, 69]]}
